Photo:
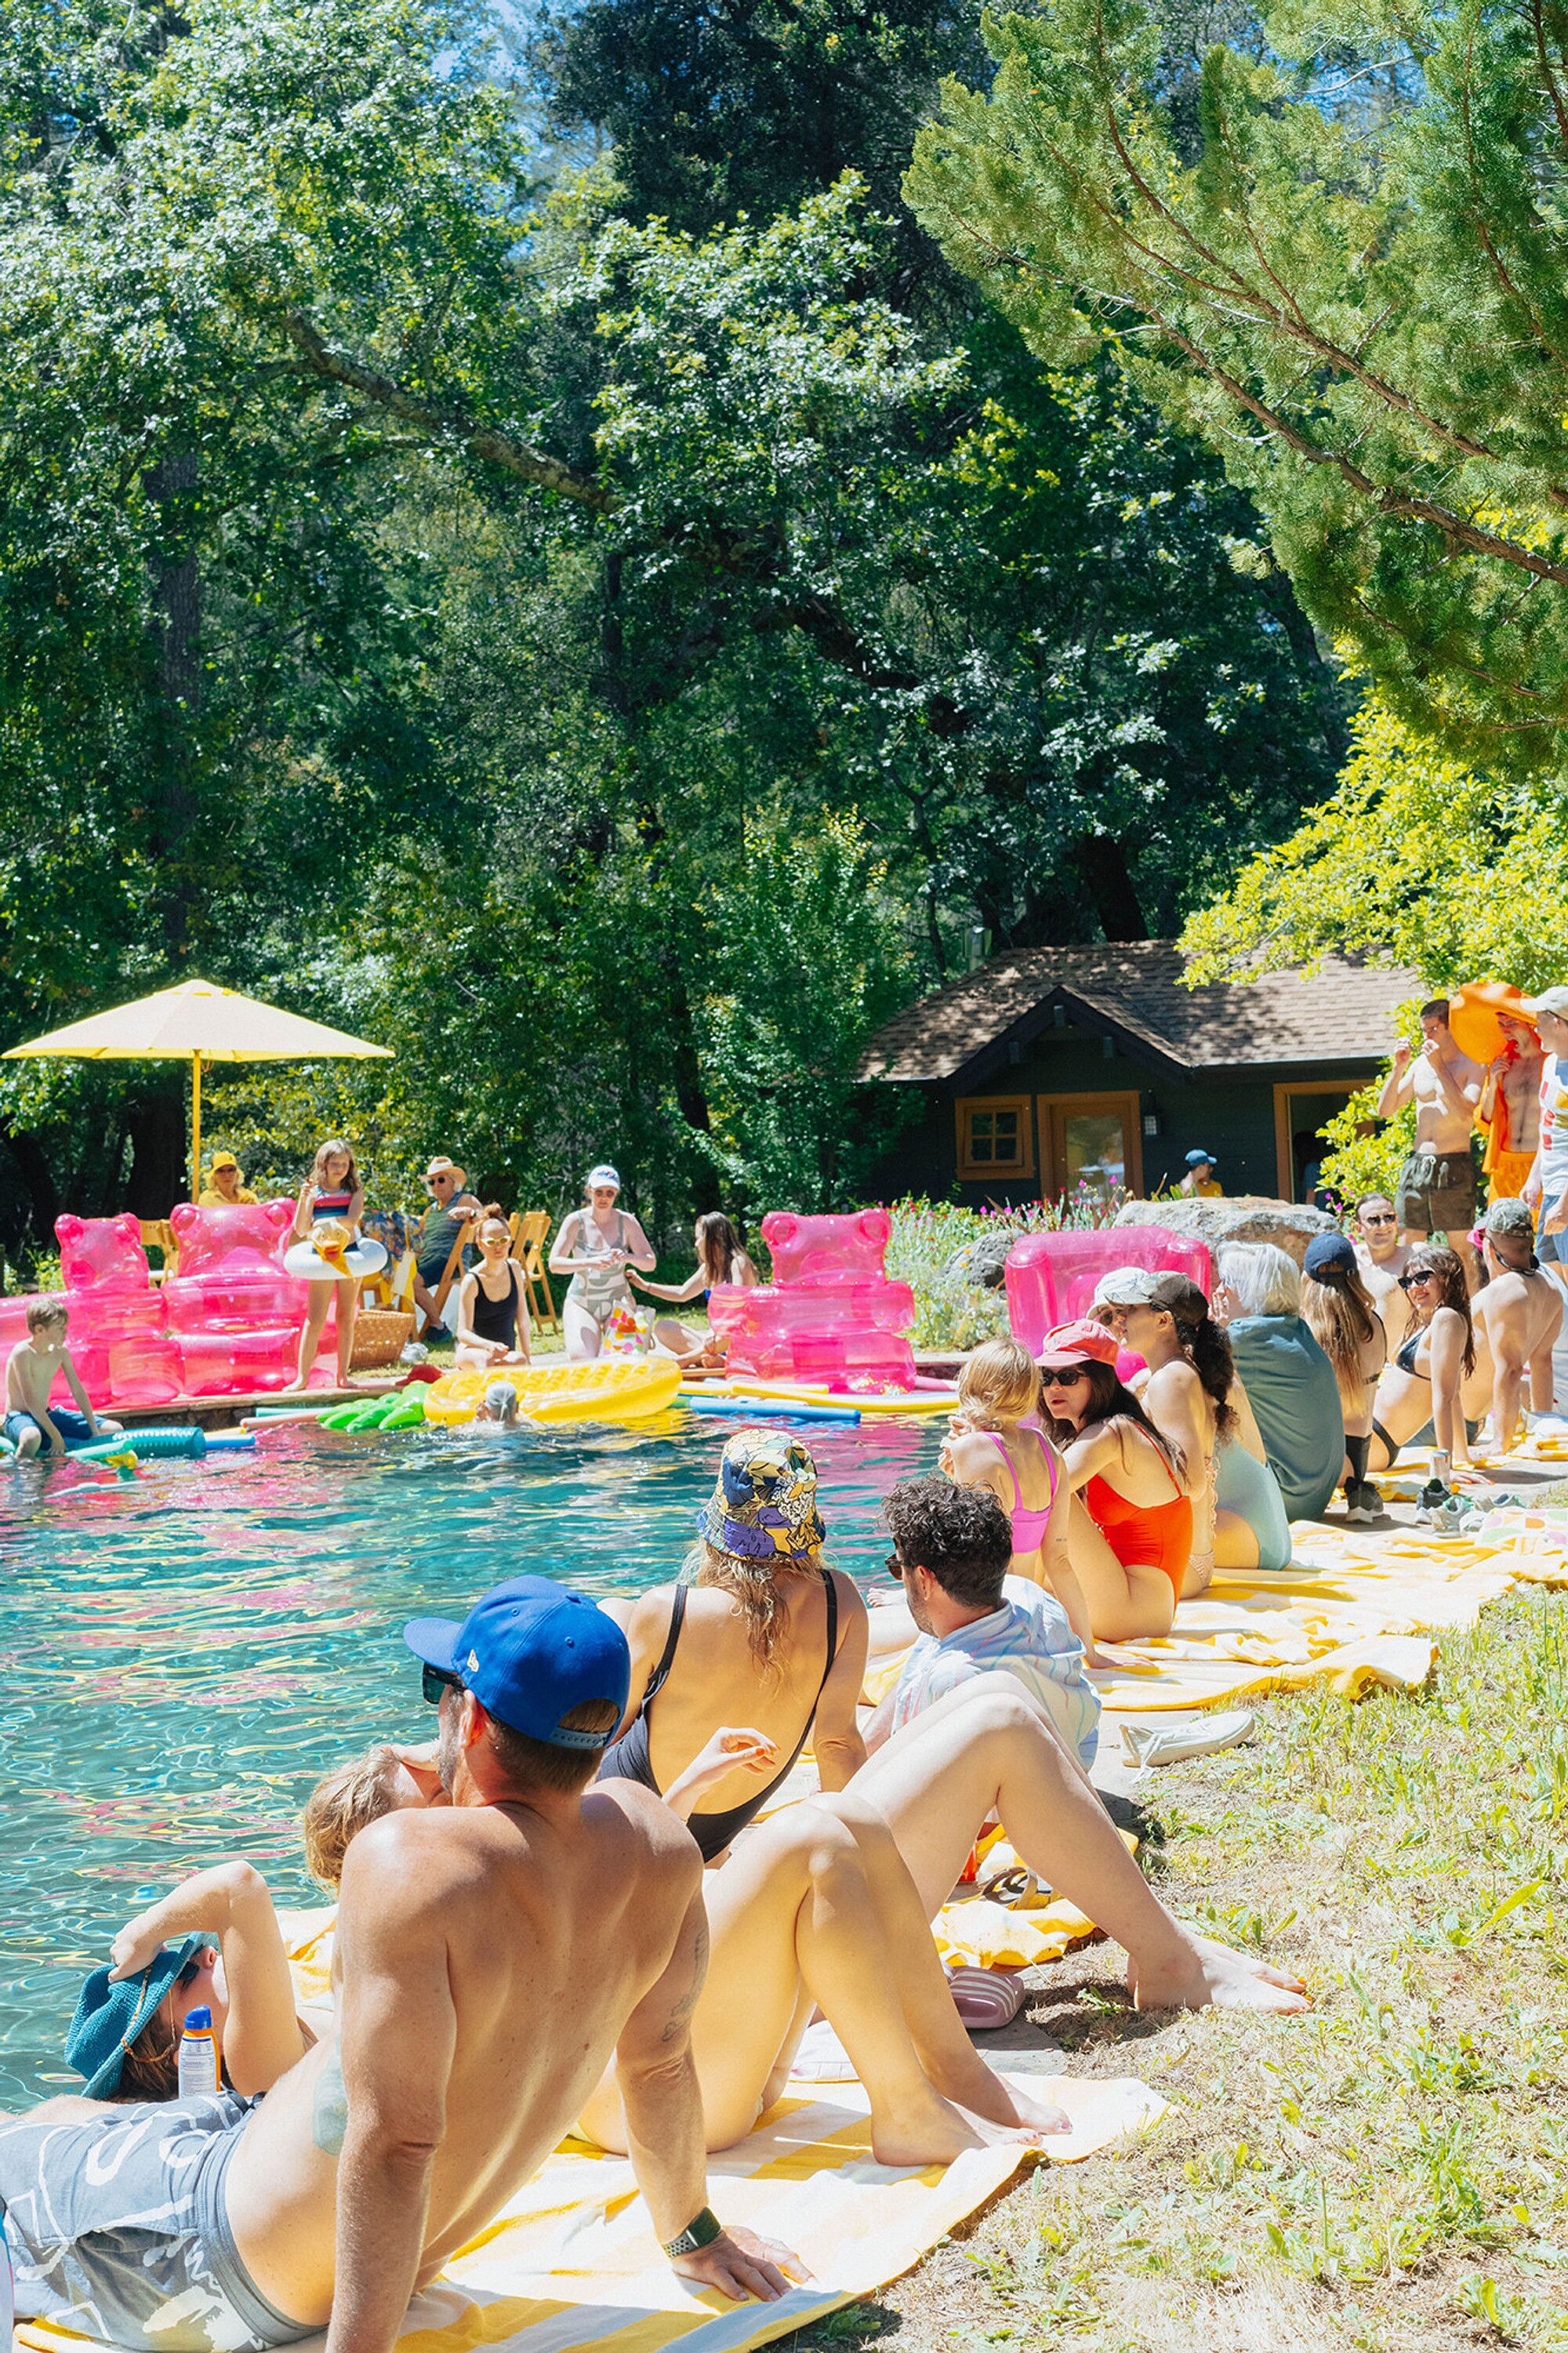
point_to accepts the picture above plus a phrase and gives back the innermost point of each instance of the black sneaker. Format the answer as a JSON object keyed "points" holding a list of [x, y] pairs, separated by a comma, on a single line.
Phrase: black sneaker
{"points": [[1363, 1503], [1433, 1493]]}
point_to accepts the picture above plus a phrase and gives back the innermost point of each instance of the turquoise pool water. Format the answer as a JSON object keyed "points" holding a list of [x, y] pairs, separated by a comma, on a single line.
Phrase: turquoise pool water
{"points": [[182, 1654]]}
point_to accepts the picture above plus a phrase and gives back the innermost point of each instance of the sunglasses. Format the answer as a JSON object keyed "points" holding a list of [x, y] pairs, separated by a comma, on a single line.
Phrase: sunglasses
{"points": [[1383, 1218], [895, 1566], [1066, 1376], [436, 1685], [1414, 1282]]}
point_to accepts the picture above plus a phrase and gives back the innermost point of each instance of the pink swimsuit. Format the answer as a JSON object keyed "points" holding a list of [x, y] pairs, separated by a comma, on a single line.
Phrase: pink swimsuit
{"points": [[1028, 1527]]}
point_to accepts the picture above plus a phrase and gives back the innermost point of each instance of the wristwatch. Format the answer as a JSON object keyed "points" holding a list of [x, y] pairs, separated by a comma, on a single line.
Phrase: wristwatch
{"points": [[700, 2231]]}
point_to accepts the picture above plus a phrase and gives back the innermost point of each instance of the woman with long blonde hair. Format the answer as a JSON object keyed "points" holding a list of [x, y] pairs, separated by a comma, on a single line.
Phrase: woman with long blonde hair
{"points": [[761, 1632]]}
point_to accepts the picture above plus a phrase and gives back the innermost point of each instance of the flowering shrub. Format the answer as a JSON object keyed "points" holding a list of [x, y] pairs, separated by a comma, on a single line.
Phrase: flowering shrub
{"points": [[952, 1309]]}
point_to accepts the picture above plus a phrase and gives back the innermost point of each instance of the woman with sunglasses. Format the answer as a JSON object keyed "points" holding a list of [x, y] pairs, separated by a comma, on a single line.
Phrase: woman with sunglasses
{"points": [[1438, 1382], [492, 1306], [1129, 1533], [597, 1246]]}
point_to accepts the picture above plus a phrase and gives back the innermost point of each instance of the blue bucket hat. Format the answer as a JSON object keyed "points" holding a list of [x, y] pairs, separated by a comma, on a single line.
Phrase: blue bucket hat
{"points": [[108, 2017], [763, 1506]]}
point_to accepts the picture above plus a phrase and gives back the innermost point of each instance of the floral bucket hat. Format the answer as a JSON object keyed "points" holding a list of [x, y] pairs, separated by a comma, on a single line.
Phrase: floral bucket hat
{"points": [[764, 1504]]}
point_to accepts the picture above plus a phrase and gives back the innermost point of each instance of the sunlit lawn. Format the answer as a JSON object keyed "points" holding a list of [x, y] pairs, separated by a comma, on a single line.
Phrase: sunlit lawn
{"points": [[1393, 2170]]}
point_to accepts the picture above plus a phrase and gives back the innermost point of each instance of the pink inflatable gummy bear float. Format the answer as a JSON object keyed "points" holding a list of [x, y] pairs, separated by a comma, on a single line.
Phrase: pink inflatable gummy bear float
{"points": [[1051, 1276], [228, 1322], [830, 1315]]}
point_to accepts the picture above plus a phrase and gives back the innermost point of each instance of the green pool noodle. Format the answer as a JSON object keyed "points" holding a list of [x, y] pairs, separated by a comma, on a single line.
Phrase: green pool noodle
{"points": [[372, 1416], [338, 1417], [147, 1445], [408, 1412]]}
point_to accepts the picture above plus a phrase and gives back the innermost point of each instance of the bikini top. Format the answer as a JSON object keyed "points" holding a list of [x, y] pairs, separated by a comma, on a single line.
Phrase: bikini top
{"points": [[630, 1758], [1405, 1355], [330, 1205], [1028, 1527]]}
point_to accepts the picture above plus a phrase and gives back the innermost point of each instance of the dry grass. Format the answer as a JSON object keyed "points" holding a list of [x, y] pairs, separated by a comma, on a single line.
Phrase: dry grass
{"points": [[1389, 2172]]}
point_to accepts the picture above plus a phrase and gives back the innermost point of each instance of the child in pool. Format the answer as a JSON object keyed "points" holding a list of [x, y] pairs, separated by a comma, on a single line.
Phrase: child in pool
{"points": [[30, 1423]]}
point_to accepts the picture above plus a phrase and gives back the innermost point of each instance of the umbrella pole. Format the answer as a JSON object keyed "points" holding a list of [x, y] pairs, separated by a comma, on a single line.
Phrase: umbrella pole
{"points": [[195, 1127]]}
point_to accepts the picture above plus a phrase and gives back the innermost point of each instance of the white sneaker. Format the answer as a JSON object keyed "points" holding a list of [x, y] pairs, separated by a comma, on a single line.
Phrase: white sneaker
{"points": [[1152, 1744]]}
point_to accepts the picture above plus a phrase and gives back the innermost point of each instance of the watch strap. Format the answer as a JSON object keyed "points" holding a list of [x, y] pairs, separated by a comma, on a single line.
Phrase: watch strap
{"points": [[700, 2233]]}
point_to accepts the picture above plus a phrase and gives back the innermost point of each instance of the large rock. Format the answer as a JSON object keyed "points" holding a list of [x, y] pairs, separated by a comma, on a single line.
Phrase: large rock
{"points": [[1248, 1218], [980, 1264]]}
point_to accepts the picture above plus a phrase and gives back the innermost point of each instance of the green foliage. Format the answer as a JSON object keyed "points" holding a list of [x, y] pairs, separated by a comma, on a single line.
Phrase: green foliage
{"points": [[807, 959], [1456, 874], [413, 597], [929, 1251], [1344, 268]]}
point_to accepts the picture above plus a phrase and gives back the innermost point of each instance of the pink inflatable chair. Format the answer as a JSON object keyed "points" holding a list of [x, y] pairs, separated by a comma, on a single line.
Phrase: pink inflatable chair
{"points": [[1051, 1276], [830, 1315], [236, 1314], [116, 1334]]}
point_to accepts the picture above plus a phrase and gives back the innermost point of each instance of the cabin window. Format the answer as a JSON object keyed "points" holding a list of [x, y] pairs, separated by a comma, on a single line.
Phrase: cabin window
{"points": [[995, 1137]]}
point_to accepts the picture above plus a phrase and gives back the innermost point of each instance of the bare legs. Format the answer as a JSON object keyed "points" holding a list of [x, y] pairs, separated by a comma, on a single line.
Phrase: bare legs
{"points": [[319, 1306], [581, 1332], [799, 1915], [1235, 1542], [986, 1748], [1125, 1605]]}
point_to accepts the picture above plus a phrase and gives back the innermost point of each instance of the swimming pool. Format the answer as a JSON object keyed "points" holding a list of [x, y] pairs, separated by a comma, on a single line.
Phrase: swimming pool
{"points": [[183, 1653]]}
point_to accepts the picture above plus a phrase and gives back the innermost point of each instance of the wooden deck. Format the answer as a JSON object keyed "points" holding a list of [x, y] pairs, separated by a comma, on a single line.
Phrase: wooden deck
{"points": [[225, 1412]]}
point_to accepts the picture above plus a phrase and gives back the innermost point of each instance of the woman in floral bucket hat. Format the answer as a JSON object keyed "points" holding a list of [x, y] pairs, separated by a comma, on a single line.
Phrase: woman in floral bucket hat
{"points": [[759, 1632]]}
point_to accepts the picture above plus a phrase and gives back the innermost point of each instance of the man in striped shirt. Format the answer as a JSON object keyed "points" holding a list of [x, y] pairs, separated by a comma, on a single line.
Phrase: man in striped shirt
{"points": [[952, 1549]]}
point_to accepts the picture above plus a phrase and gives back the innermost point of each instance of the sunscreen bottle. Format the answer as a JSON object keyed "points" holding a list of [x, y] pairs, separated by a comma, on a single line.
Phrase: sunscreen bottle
{"points": [[200, 2068]]}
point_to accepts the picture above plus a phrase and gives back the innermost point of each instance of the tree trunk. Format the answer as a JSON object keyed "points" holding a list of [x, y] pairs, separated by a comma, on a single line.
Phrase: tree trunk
{"points": [[38, 1182], [157, 1119], [1102, 862]]}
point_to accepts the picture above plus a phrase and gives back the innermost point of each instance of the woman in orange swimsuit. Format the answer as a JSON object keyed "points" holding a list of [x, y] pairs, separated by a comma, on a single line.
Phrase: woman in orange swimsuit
{"points": [[1130, 1530]]}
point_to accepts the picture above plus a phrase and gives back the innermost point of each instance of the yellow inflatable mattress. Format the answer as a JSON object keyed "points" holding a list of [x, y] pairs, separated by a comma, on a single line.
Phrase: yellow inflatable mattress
{"points": [[616, 1389]]}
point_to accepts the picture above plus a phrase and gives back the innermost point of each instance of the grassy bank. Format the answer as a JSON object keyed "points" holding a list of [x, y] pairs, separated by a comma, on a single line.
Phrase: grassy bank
{"points": [[1390, 2171]]}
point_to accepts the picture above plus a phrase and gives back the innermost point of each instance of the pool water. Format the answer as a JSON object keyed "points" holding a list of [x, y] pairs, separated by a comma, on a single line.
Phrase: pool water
{"points": [[183, 1653]]}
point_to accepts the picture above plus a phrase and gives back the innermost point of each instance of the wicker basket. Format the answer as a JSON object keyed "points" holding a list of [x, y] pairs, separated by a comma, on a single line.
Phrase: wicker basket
{"points": [[381, 1334]]}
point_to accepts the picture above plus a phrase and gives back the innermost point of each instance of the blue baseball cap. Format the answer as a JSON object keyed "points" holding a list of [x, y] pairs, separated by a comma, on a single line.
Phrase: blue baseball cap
{"points": [[108, 2017], [530, 1651], [1200, 1159]]}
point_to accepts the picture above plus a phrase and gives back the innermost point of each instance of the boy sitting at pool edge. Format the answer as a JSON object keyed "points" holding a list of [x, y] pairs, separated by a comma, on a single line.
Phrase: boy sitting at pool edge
{"points": [[30, 1424]]}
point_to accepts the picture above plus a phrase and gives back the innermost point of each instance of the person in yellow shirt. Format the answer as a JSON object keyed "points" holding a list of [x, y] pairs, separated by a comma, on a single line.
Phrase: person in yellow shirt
{"points": [[227, 1189], [1200, 1178]]}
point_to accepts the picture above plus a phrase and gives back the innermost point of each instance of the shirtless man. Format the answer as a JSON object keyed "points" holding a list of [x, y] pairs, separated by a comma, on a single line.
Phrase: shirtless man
{"points": [[1521, 1310], [1382, 1259], [1509, 1107], [489, 1958], [1438, 1183], [1546, 1186]]}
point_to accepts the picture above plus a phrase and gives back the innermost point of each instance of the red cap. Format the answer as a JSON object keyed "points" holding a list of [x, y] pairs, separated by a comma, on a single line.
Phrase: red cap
{"points": [[1078, 1343]]}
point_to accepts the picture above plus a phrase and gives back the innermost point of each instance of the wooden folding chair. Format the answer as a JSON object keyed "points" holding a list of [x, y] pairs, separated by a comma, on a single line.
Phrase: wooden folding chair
{"points": [[529, 1232], [453, 1269], [157, 1233]]}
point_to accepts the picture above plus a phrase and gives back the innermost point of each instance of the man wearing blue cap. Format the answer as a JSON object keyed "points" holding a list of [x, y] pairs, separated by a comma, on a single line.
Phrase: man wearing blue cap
{"points": [[491, 1957]]}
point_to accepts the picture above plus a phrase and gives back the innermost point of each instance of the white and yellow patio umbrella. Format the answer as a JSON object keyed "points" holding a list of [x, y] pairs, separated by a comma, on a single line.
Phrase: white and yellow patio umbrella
{"points": [[197, 1022]]}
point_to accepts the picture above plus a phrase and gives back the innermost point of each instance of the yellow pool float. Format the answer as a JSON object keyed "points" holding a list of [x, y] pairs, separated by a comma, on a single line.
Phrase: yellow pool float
{"points": [[616, 1388]]}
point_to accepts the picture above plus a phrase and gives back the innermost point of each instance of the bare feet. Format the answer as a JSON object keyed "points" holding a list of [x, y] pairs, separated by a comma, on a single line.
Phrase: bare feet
{"points": [[1022, 2112], [1199, 1975], [988, 2100], [924, 2132]]}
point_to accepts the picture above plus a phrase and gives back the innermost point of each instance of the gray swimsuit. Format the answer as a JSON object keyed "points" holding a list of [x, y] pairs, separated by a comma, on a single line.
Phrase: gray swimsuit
{"points": [[118, 2228], [600, 1290]]}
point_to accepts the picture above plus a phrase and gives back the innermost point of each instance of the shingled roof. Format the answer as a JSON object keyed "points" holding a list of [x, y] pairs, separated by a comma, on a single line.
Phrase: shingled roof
{"points": [[1135, 989]]}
